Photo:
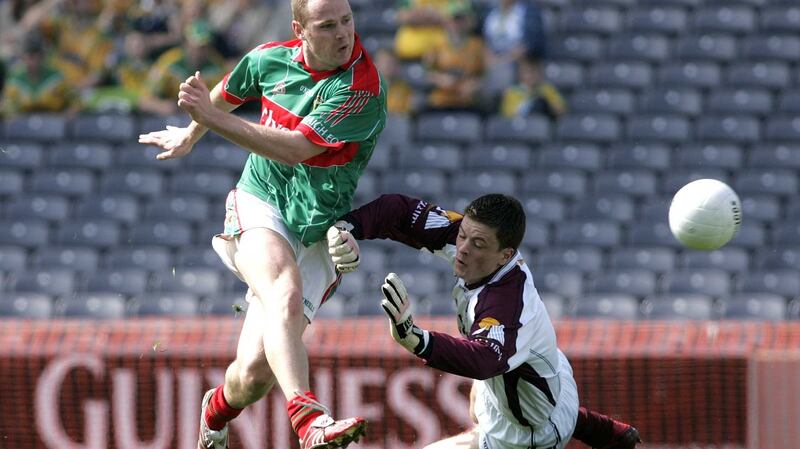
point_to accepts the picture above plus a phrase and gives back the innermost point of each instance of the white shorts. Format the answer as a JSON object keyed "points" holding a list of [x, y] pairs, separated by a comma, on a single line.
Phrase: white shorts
{"points": [[507, 434], [245, 211]]}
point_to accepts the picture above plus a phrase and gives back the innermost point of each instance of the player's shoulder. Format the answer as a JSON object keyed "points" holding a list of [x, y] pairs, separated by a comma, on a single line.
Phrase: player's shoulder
{"points": [[363, 77], [278, 49]]}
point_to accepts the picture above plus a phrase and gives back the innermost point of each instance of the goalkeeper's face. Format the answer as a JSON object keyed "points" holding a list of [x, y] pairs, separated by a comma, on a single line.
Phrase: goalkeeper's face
{"points": [[478, 252]]}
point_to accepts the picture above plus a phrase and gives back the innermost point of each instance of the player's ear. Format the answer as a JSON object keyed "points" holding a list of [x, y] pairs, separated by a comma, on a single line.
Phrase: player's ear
{"points": [[507, 254], [297, 29]]}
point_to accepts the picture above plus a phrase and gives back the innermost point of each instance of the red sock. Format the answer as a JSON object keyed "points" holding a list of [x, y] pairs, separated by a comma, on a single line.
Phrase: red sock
{"points": [[301, 414], [218, 411], [596, 429]]}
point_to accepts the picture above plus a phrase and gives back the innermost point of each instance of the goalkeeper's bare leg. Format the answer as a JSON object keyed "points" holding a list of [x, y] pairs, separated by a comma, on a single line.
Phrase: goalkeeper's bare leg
{"points": [[267, 263]]}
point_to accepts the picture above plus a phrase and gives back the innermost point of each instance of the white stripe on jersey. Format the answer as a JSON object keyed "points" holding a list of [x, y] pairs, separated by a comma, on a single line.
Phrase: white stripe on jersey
{"points": [[436, 221]]}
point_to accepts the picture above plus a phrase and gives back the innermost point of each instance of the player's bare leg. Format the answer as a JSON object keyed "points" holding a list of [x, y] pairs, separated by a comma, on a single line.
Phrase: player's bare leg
{"points": [[267, 263], [602, 432], [247, 380], [465, 440]]}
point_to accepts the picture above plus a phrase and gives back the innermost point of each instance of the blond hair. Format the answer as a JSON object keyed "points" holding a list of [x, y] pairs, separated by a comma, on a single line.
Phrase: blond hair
{"points": [[299, 10]]}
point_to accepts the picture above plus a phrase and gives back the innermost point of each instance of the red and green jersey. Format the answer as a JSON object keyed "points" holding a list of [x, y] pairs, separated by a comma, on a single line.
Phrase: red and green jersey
{"points": [[343, 110]]}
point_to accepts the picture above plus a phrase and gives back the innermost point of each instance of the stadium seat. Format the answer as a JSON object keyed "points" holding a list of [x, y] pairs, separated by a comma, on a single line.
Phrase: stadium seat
{"points": [[537, 234], [731, 259], [608, 306], [549, 208], [660, 19], [615, 207], [729, 128], [186, 207], [367, 188], [138, 156], [556, 306], [73, 181], [565, 156], [373, 257], [227, 304], [154, 258], [751, 235], [679, 307], [93, 156], [672, 100], [95, 233], [118, 207], [398, 130], [214, 183], [404, 257], [36, 127], [105, 127], [99, 305], [657, 233], [442, 156], [80, 258], [590, 19], [781, 18], [692, 74], [46, 207], [128, 281], [216, 155], [672, 3], [461, 127], [565, 74], [783, 129], [599, 233], [358, 282], [709, 281], [673, 180], [133, 181], [632, 155], [335, 307], [26, 155], [583, 48], [26, 305], [154, 122], [778, 258], [420, 183], [706, 47], [766, 181], [639, 282], [600, 128], [11, 182], [566, 182], [635, 182], [619, 74], [783, 282], [376, 20], [585, 259], [764, 208], [498, 156], [736, 20], [654, 209], [368, 304], [727, 156], [202, 256], [648, 47], [168, 233], [789, 102], [755, 306], [166, 304], [419, 281], [382, 156], [786, 233], [769, 75], [659, 128], [772, 47], [13, 258], [590, 101], [199, 281], [532, 129], [28, 233], [565, 282], [56, 281]]}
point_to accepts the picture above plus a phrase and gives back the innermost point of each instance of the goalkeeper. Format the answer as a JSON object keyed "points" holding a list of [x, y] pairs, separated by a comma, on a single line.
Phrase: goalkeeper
{"points": [[524, 394]]}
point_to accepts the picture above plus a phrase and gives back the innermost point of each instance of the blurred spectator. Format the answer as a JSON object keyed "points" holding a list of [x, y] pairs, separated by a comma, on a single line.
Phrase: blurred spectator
{"points": [[532, 94], [159, 21], [34, 84], [513, 30], [175, 65], [456, 64], [401, 97], [242, 25], [421, 25]]}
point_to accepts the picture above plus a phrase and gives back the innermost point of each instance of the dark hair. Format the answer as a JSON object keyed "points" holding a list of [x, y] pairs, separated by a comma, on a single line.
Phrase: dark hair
{"points": [[503, 213]]}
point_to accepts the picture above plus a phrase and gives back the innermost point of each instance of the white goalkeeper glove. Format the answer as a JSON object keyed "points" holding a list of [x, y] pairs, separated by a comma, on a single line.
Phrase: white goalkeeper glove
{"points": [[398, 307], [343, 247]]}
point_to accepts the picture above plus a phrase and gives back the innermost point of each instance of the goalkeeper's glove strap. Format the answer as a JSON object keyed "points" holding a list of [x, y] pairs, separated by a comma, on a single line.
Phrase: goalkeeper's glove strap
{"points": [[423, 347]]}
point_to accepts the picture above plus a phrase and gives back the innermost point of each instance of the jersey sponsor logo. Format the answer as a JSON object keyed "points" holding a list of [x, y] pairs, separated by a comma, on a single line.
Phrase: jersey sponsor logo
{"points": [[279, 88], [493, 330], [421, 206], [309, 305], [269, 120], [321, 130], [441, 218]]}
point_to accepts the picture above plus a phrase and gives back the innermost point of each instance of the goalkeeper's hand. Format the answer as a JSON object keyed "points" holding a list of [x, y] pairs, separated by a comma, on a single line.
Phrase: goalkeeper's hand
{"points": [[343, 248], [398, 307]]}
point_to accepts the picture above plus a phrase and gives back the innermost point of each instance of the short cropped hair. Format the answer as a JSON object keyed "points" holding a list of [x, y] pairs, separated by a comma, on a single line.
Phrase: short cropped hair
{"points": [[503, 213], [300, 10]]}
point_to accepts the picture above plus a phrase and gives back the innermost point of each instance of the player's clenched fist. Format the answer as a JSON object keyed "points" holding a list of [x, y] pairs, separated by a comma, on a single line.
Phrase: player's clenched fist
{"points": [[398, 308], [343, 248]]}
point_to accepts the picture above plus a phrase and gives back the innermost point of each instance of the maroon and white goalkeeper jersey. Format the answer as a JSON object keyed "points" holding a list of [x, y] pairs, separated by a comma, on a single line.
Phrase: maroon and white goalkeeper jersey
{"points": [[509, 342]]}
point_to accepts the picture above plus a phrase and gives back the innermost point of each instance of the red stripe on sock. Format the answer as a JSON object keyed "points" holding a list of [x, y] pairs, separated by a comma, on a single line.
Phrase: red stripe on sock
{"points": [[300, 415], [218, 411]]}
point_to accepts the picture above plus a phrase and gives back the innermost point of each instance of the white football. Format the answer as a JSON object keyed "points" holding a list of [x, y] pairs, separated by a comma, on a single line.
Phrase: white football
{"points": [[705, 214]]}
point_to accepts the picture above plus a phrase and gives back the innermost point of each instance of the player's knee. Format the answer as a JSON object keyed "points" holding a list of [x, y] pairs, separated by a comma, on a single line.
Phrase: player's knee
{"points": [[251, 378]]}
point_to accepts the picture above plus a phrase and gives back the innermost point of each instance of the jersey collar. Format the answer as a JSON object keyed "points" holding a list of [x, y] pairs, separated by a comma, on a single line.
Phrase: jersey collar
{"points": [[317, 75]]}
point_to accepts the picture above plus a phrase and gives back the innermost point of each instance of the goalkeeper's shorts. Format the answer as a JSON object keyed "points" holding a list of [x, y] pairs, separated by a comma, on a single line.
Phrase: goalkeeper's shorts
{"points": [[244, 211], [499, 431]]}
